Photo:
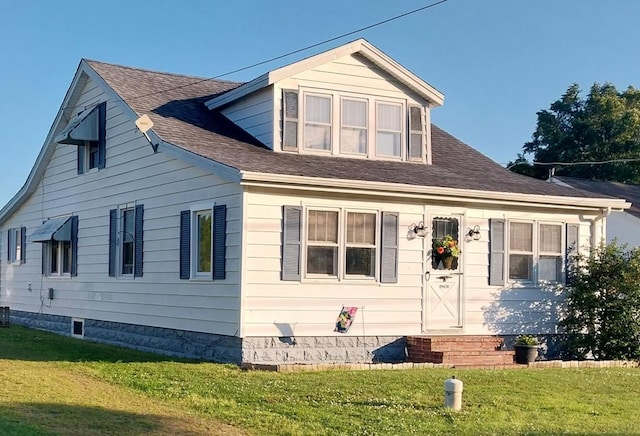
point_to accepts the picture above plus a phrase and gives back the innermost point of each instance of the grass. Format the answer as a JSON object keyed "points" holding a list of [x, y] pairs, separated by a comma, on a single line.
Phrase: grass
{"points": [[56, 385]]}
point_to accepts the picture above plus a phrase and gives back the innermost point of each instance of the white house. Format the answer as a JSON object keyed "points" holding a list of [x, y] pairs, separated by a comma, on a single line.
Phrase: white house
{"points": [[623, 226], [250, 214]]}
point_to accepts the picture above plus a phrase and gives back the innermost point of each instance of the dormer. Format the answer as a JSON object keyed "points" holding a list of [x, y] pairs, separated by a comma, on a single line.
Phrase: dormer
{"points": [[353, 101]]}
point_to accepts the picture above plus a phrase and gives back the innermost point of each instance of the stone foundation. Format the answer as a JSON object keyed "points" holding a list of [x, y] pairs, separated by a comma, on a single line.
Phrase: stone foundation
{"points": [[227, 349]]}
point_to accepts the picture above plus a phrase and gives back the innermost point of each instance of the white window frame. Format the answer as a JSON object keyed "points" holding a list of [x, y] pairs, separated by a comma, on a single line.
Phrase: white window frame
{"points": [[347, 126], [402, 131], [331, 99], [15, 245], [73, 323], [120, 237], [336, 125], [536, 252], [341, 252], [87, 156], [375, 246], [560, 254], [195, 212], [48, 257]]}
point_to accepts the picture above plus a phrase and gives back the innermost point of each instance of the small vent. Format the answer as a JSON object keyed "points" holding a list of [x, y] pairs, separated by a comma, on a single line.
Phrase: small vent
{"points": [[77, 327]]}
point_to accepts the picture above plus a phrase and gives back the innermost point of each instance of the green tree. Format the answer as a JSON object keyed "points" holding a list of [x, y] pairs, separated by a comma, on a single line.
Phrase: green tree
{"points": [[601, 127], [602, 316]]}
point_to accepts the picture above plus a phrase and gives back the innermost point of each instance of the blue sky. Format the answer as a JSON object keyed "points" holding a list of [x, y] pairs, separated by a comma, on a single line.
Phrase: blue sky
{"points": [[498, 62]]}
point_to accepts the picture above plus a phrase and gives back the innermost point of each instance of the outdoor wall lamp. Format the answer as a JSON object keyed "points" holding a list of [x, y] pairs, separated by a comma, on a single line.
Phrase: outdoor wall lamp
{"points": [[418, 229], [474, 233]]}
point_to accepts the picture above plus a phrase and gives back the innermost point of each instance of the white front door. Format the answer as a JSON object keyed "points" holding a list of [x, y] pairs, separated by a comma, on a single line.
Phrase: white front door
{"points": [[444, 273]]}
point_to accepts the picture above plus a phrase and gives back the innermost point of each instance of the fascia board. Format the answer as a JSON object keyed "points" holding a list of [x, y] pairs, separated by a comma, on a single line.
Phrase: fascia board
{"points": [[428, 192], [46, 151], [435, 97]]}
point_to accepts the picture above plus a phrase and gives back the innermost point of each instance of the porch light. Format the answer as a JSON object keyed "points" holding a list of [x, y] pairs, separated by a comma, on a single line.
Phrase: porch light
{"points": [[474, 233], [418, 229]]}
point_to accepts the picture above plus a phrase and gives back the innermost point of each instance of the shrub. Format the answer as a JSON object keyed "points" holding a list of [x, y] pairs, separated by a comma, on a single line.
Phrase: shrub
{"points": [[602, 316], [526, 340]]}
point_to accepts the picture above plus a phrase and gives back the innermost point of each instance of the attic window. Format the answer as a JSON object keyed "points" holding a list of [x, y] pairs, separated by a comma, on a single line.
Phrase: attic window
{"points": [[87, 131]]}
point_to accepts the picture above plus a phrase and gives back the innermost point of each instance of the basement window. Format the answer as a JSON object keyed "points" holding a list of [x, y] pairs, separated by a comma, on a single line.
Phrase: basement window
{"points": [[77, 328]]}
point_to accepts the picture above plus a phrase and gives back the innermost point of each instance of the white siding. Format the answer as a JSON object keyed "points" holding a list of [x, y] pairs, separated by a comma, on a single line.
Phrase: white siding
{"points": [[310, 307], [254, 113], [623, 227], [164, 186]]}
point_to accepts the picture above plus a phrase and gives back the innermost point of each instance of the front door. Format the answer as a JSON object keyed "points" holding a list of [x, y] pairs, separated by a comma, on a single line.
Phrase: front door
{"points": [[443, 276]]}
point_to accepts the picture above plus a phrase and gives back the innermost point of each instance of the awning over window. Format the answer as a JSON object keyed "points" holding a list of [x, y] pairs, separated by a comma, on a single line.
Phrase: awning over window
{"points": [[84, 127], [55, 228]]}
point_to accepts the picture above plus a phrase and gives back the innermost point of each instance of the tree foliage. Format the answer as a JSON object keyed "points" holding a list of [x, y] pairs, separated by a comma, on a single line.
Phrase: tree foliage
{"points": [[603, 126], [603, 304]]}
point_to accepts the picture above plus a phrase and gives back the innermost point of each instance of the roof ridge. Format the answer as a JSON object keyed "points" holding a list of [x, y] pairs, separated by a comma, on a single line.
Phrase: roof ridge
{"points": [[164, 73]]}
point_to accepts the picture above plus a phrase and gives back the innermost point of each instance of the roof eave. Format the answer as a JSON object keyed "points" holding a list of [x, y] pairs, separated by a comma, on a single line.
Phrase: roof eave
{"points": [[403, 190]]}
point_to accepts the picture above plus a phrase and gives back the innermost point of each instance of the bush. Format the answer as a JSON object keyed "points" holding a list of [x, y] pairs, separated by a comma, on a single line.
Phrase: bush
{"points": [[602, 317]]}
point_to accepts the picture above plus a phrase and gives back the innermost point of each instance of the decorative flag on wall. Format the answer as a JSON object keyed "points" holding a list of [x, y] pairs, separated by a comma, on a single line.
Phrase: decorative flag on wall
{"points": [[347, 314]]}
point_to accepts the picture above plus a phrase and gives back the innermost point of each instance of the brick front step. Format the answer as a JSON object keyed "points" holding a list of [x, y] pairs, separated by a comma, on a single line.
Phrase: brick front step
{"points": [[458, 350]]}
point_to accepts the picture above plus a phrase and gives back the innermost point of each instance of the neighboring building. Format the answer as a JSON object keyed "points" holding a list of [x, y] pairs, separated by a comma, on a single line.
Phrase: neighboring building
{"points": [[623, 226], [238, 227]]}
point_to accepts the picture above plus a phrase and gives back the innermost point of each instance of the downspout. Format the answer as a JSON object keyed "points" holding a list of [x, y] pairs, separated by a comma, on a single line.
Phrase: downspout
{"points": [[599, 228]]}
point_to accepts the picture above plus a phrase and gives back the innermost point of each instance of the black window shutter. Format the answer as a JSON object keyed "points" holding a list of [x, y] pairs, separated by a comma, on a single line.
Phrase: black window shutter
{"points": [[389, 248], [102, 134], [219, 241], [291, 242], [74, 246], [80, 152], [9, 245], [497, 256], [23, 244], [46, 246], [139, 238], [289, 119], [415, 133], [113, 233], [185, 244]]}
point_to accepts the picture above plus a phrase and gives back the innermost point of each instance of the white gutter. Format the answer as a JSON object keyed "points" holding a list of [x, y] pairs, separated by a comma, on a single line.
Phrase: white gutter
{"points": [[320, 184]]}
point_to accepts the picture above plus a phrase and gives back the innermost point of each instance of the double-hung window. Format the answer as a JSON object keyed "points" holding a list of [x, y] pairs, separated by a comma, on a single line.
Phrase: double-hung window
{"points": [[360, 252], [125, 240], [203, 243], [87, 131], [317, 122], [59, 239], [16, 245], [353, 133], [339, 243], [322, 242], [550, 252], [389, 130], [521, 251], [531, 251]]}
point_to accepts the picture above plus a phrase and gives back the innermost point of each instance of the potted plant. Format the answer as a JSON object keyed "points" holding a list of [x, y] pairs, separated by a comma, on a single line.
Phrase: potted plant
{"points": [[446, 249], [526, 347]]}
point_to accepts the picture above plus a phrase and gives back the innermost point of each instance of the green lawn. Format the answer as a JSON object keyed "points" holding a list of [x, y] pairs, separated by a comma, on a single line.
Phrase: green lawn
{"points": [[66, 386]]}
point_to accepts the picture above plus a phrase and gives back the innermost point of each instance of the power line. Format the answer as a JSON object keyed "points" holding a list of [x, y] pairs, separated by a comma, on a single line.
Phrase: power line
{"points": [[570, 164], [379, 23]]}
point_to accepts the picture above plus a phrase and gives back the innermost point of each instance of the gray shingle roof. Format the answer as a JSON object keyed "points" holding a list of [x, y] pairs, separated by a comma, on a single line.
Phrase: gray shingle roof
{"points": [[175, 103], [631, 193]]}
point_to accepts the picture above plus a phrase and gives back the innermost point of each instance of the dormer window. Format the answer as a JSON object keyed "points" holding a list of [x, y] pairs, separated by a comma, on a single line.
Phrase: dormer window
{"points": [[317, 122], [340, 123], [87, 131], [353, 133], [389, 130]]}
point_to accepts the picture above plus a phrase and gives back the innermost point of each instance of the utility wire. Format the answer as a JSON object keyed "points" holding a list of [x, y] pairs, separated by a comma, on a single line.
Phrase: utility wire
{"points": [[379, 23], [571, 164]]}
